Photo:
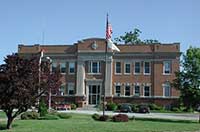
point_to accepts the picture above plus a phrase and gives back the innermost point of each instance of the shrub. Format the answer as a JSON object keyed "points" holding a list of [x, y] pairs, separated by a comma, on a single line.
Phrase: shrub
{"points": [[175, 109], [42, 108], [154, 107], [120, 118], [103, 118], [49, 117], [29, 115], [111, 106], [96, 116], [64, 115], [134, 108], [73, 106]]}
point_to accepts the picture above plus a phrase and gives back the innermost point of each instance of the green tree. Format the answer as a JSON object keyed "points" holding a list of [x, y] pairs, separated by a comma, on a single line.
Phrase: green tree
{"points": [[133, 37], [188, 79]]}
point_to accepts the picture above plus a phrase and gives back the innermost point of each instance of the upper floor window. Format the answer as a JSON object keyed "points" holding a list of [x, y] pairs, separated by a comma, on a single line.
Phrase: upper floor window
{"points": [[53, 67], [71, 67], [94, 67], [166, 67], [137, 90], [70, 89], [166, 90], [137, 68], [118, 67], [127, 90], [118, 90], [146, 90], [146, 67], [63, 67], [127, 68]]}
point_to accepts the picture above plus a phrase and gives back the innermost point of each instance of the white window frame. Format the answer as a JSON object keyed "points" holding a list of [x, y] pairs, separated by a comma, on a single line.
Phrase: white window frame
{"points": [[127, 73], [134, 67], [149, 68], [116, 68], [61, 66], [118, 94], [62, 92], [70, 88], [170, 68], [90, 67], [144, 90], [125, 90], [70, 67], [139, 90], [167, 84], [54, 64]]}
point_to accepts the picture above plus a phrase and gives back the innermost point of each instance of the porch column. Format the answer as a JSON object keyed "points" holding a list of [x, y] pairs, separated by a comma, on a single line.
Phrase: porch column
{"points": [[80, 79], [108, 78]]}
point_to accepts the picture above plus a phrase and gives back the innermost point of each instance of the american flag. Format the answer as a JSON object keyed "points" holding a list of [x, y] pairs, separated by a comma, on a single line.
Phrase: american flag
{"points": [[108, 30]]}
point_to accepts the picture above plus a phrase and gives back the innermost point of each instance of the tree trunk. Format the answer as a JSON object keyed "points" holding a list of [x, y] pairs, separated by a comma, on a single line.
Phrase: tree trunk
{"points": [[9, 122]]}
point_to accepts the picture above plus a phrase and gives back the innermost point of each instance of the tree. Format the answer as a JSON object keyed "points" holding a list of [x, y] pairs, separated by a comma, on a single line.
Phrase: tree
{"points": [[19, 85], [188, 80], [132, 37]]}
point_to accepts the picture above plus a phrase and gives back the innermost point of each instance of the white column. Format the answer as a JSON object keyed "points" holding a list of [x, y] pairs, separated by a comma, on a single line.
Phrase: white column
{"points": [[108, 78], [80, 79]]}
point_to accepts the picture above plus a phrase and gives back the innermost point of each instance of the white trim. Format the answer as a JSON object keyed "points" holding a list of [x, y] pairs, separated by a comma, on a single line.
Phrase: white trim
{"points": [[120, 68], [149, 91], [71, 73], [170, 70], [90, 68], [134, 68], [163, 88], [149, 68], [125, 68]]}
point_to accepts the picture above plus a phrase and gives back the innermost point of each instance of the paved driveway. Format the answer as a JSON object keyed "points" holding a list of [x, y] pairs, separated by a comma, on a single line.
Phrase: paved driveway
{"points": [[178, 116]]}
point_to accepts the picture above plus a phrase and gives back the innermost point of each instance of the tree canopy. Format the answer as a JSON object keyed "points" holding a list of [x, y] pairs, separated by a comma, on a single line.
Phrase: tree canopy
{"points": [[188, 80], [19, 84], [133, 37]]}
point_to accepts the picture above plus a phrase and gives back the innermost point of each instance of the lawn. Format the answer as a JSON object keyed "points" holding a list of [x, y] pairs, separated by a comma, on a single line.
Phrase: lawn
{"points": [[84, 123]]}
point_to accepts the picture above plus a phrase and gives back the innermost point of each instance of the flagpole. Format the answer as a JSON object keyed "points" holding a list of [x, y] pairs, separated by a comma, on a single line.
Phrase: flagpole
{"points": [[106, 50]]}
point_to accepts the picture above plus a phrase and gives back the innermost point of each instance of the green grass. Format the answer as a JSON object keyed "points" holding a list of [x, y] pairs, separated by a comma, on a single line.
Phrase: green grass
{"points": [[84, 123], [2, 114]]}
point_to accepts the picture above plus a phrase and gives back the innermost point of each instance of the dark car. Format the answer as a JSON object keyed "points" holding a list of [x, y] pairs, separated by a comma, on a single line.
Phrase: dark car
{"points": [[144, 109], [125, 108]]}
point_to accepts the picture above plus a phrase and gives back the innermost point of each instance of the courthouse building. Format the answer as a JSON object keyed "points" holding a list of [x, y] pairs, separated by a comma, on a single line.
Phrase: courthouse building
{"points": [[136, 74]]}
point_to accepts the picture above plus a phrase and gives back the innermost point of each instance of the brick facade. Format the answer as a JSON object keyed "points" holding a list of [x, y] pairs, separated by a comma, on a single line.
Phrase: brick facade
{"points": [[145, 72]]}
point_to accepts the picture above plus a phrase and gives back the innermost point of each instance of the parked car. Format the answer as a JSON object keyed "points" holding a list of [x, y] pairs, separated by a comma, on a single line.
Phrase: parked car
{"points": [[144, 109], [125, 108]]}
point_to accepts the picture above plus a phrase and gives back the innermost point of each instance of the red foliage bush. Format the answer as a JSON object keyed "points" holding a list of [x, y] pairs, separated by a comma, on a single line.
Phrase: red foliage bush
{"points": [[120, 118]]}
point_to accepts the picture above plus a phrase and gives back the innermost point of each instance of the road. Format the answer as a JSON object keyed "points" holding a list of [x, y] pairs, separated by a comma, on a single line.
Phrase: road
{"points": [[175, 116]]}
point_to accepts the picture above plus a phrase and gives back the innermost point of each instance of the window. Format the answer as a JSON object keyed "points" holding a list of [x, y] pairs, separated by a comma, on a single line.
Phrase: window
{"points": [[117, 90], [118, 67], [53, 67], [146, 67], [71, 67], [94, 67], [70, 89], [62, 89], [166, 90], [137, 90], [63, 67], [127, 67], [167, 67], [137, 68], [146, 90], [127, 90]]}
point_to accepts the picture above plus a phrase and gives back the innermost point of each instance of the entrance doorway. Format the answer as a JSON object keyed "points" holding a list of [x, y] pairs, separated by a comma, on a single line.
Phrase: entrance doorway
{"points": [[94, 94]]}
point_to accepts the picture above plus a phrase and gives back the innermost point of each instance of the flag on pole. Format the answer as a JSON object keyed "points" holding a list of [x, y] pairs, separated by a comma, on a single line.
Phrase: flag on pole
{"points": [[41, 55], [110, 44]]}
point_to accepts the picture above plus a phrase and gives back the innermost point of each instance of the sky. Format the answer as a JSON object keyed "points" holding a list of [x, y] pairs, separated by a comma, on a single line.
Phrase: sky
{"points": [[31, 22]]}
